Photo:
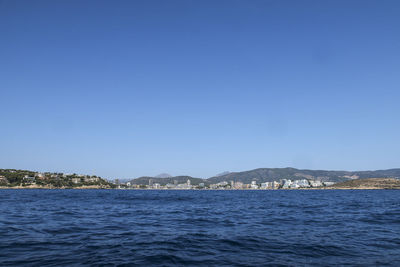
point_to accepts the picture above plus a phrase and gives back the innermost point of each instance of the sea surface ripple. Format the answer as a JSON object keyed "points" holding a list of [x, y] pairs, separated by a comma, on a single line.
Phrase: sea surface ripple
{"points": [[199, 228]]}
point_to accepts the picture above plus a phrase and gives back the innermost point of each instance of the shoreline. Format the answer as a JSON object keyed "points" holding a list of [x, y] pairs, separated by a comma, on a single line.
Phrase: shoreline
{"points": [[108, 188], [52, 187]]}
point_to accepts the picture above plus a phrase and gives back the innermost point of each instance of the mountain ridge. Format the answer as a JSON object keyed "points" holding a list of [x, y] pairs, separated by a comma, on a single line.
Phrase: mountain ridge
{"points": [[163, 175], [261, 175]]}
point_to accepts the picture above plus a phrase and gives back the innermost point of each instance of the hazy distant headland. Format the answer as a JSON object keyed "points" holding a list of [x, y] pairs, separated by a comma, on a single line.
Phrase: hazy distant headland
{"points": [[262, 178]]}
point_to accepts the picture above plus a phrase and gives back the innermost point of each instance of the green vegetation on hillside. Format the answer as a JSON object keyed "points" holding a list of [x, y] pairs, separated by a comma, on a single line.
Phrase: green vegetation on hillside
{"points": [[12, 177]]}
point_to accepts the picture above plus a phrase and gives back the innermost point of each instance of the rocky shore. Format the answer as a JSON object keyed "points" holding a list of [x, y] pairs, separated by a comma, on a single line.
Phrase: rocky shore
{"points": [[371, 183]]}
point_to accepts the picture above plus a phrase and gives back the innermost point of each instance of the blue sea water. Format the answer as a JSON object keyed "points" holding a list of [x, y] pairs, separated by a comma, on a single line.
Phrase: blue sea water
{"points": [[199, 228]]}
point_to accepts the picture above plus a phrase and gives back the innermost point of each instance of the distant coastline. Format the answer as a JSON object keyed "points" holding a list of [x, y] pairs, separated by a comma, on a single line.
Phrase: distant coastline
{"points": [[359, 184], [52, 187], [258, 179]]}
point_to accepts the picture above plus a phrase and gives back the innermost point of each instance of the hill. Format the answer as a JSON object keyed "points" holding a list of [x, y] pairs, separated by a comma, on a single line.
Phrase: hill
{"points": [[163, 175], [274, 174], [262, 175], [369, 183], [26, 178], [223, 173]]}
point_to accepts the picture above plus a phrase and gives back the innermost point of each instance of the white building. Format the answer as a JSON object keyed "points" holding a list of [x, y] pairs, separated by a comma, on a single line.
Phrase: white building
{"points": [[223, 183], [286, 183], [300, 183], [254, 185], [315, 183], [170, 186], [183, 186], [267, 185], [89, 179]]}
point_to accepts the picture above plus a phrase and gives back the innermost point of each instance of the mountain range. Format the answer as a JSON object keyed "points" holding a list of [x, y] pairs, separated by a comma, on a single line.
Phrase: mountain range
{"points": [[274, 174], [163, 175]]}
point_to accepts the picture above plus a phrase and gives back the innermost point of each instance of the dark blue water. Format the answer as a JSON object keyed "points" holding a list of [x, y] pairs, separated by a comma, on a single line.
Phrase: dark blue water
{"points": [[207, 228]]}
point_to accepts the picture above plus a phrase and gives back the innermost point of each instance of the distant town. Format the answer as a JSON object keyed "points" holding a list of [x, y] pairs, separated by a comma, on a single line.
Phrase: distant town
{"points": [[258, 179], [231, 185], [23, 178]]}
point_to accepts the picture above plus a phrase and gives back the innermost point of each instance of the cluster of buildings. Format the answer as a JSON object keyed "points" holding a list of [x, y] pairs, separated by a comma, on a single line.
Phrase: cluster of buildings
{"points": [[85, 179], [74, 178], [38, 177], [232, 185], [153, 185], [240, 185]]}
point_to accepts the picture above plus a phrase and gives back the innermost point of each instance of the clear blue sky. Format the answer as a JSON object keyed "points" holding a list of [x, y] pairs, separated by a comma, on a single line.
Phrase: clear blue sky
{"points": [[131, 88]]}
